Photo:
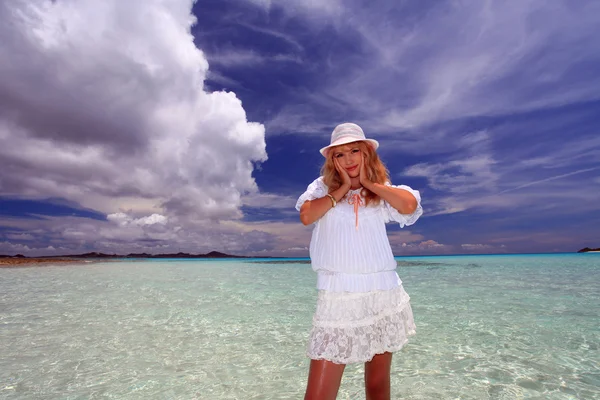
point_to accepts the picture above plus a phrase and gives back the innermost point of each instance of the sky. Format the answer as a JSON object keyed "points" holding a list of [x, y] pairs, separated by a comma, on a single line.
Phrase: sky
{"points": [[162, 126]]}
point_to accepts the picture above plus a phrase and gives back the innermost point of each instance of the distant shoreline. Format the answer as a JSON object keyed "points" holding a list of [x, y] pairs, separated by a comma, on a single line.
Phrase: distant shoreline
{"points": [[20, 259], [7, 261]]}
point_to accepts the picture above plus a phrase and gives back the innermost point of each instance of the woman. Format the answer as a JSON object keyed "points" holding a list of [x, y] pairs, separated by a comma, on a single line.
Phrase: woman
{"points": [[363, 313]]}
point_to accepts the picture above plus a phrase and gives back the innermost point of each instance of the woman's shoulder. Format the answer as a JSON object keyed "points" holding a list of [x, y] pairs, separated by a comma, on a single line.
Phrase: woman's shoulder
{"points": [[317, 186], [319, 182], [315, 190]]}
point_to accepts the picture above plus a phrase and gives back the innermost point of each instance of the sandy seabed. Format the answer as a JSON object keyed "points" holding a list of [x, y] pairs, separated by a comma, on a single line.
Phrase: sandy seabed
{"points": [[8, 262]]}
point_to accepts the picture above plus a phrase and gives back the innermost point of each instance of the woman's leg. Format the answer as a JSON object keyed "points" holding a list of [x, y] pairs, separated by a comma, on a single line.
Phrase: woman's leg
{"points": [[324, 379], [377, 377]]}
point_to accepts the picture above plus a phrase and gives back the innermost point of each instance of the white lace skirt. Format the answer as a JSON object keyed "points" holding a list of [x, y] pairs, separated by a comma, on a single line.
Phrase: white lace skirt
{"points": [[353, 327]]}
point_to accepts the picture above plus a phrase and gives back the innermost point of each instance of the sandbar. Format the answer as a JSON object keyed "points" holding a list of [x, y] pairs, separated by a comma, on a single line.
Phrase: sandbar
{"points": [[14, 262]]}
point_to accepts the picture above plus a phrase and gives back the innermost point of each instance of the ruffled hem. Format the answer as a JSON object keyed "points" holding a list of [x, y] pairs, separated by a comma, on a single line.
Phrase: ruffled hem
{"points": [[343, 282], [354, 327]]}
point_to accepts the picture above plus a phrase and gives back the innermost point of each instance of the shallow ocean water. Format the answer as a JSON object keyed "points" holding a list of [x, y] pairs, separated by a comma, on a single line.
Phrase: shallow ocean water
{"points": [[488, 327]]}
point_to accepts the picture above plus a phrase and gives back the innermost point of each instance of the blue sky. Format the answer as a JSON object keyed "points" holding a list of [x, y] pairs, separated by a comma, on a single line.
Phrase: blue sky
{"points": [[172, 126]]}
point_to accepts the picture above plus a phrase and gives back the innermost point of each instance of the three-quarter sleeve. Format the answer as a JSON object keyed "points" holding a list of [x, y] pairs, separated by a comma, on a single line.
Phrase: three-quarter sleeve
{"points": [[391, 214], [315, 190]]}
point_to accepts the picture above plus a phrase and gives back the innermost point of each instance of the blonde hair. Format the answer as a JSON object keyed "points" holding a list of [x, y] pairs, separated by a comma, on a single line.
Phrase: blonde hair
{"points": [[375, 169]]}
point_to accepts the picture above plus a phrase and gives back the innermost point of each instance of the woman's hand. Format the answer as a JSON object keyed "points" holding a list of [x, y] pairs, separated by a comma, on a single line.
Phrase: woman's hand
{"points": [[343, 174], [364, 180]]}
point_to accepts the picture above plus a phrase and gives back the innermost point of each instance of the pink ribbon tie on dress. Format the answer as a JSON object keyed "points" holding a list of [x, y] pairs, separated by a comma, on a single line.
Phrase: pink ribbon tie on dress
{"points": [[356, 201]]}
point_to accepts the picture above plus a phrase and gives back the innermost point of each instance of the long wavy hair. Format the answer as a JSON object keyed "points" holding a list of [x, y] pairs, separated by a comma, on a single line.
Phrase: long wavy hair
{"points": [[376, 171]]}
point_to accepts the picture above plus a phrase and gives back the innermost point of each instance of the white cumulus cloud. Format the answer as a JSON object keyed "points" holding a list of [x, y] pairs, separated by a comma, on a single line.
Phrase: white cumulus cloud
{"points": [[103, 103]]}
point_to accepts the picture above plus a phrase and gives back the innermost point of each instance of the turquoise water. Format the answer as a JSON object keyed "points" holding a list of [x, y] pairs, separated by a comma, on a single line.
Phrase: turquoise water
{"points": [[488, 327]]}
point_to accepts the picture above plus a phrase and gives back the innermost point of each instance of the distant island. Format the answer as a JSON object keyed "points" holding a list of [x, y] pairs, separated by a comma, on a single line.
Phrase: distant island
{"points": [[587, 250], [21, 260], [212, 254]]}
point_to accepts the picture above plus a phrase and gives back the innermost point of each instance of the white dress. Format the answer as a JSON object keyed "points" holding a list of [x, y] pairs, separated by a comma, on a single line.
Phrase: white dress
{"points": [[362, 308]]}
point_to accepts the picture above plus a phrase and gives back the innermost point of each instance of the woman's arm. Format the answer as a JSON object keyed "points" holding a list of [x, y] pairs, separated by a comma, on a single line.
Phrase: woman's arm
{"points": [[402, 200], [312, 210]]}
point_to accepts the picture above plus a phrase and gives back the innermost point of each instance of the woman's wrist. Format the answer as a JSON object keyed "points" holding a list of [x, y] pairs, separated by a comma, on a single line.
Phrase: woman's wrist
{"points": [[339, 193], [371, 186]]}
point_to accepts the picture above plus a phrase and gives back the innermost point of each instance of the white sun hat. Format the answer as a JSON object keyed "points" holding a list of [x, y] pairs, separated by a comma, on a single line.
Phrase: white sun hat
{"points": [[348, 133]]}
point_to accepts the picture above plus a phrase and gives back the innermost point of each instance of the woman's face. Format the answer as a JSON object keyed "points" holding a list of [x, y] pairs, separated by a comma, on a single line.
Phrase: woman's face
{"points": [[349, 157]]}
